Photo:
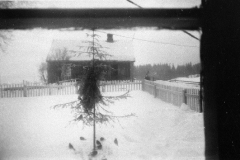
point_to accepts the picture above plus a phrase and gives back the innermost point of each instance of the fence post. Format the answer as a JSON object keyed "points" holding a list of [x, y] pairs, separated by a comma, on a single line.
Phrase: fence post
{"points": [[184, 96], [143, 83], [24, 89], [200, 101], [1, 91], [103, 87], [76, 88], [50, 90], [155, 91]]}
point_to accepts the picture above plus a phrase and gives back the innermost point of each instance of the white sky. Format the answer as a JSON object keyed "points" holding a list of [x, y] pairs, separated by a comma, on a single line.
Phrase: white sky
{"points": [[29, 48]]}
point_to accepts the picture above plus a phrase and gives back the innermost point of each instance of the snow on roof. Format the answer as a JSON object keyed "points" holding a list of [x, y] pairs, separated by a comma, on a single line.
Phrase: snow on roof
{"points": [[118, 50]]}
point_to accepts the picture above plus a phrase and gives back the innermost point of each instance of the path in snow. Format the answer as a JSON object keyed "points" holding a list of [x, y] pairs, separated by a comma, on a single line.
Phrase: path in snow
{"points": [[31, 130]]}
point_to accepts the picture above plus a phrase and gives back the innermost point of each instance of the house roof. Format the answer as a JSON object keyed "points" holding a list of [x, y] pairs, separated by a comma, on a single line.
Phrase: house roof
{"points": [[75, 50]]}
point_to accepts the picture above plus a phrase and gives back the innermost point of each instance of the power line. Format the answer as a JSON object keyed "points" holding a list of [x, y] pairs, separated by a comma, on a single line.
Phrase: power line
{"points": [[134, 3], [161, 42], [191, 35], [165, 43]]}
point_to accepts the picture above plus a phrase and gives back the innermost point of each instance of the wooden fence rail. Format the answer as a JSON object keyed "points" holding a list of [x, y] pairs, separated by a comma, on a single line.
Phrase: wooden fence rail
{"points": [[67, 88], [175, 95], [118, 86]]}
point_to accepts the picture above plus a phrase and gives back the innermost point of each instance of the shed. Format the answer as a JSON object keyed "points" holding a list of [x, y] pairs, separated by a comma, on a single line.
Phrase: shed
{"points": [[66, 59]]}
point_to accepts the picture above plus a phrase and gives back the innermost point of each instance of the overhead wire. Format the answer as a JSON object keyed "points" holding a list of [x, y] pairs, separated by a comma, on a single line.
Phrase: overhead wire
{"points": [[134, 3], [183, 30], [191, 35], [164, 43]]}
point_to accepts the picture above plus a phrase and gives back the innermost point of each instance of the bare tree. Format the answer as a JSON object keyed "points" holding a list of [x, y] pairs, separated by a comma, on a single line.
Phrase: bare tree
{"points": [[5, 35], [5, 38], [6, 4], [43, 72], [59, 55]]}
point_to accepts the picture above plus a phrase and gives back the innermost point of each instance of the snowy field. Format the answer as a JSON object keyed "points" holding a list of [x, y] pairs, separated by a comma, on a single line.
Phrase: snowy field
{"points": [[31, 130]]}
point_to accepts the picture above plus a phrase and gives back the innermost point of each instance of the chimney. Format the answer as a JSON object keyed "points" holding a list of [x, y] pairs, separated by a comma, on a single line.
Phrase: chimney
{"points": [[110, 38]]}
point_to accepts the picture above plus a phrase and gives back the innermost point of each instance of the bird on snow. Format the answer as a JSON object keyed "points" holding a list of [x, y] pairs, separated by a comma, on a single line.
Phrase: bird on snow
{"points": [[102, 139], [99, 145], [98, 142], [116, 141], [94, 153], [82, 138], [80, 117], [70, 146]]}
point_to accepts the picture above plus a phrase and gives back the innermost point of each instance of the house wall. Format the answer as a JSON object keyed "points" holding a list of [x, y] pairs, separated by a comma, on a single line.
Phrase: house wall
{"points": [[118, 71], [54, 72], [78, 69], [131, 70], [123, 71]]}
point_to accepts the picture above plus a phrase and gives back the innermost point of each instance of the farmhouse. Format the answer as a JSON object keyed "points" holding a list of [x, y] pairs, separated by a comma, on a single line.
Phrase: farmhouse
{"points": [[67, 59]]}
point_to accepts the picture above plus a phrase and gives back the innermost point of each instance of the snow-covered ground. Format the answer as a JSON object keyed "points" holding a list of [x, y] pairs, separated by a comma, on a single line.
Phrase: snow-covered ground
{"points": [[187, 79], [184, 82], [31, 130]]}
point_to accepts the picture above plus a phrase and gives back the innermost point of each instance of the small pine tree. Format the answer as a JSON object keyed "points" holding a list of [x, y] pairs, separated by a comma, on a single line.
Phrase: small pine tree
{"points": [[89, 108]]}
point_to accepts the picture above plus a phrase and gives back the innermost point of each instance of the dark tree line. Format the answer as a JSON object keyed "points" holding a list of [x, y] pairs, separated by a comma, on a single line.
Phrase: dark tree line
{"points": [[166, 71]]}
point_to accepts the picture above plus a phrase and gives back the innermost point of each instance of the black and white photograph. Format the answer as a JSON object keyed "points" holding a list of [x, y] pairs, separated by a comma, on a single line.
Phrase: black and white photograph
{"points": [[118, 80]]}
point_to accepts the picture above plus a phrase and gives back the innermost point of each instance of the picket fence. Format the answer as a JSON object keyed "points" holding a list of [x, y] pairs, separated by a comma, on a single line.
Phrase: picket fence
{"points": [[65, 88], [171, 94], [174, 94]]}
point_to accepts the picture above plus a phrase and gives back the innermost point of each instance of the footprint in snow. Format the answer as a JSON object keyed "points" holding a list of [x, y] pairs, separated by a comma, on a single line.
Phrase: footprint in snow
{"points": [[102, 139]]}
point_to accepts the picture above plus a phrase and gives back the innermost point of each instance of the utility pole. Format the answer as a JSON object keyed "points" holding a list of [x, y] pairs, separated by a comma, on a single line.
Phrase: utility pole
{"points": [[94, 110]]}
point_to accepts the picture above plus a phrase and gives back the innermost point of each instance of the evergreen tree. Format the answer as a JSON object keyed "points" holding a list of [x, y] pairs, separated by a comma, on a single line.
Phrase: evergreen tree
{"points": [[90, 106]]}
